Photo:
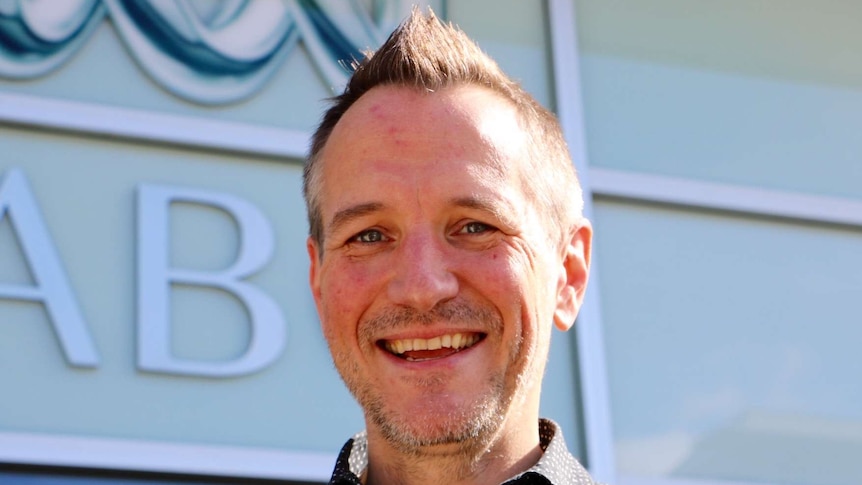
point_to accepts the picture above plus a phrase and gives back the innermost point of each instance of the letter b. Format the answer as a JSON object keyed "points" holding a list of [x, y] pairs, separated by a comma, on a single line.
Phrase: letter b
{"points": [[155, 276]]}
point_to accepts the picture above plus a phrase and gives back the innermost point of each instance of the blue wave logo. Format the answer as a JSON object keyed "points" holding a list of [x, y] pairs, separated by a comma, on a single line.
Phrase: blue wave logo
{"points": [[207, 52]]}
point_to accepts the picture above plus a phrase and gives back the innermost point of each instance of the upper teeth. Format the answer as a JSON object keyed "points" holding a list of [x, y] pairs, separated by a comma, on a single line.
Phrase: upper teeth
{"points": [[453, 341]]}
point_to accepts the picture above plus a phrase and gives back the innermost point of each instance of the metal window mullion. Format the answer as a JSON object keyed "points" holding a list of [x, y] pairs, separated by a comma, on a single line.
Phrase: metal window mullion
{"points": [[591, 350]]}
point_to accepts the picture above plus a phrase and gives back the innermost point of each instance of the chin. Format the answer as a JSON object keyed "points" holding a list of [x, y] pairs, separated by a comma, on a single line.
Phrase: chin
{"points": [[440, 424], [460, 431]]}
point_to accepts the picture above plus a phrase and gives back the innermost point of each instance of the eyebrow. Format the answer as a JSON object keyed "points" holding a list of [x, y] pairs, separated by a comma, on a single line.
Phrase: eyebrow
{"points": [[348, 214]]}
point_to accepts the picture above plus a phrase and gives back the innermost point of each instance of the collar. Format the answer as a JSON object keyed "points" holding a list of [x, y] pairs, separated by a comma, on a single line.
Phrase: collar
{"points": [[556, 466]]}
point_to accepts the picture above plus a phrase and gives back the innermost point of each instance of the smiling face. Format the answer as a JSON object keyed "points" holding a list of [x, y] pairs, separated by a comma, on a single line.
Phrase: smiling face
{"points": [[437, 282]]}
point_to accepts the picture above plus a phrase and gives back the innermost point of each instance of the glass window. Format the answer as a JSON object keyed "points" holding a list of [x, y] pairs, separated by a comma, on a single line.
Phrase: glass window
{"points": [[732, 345]]}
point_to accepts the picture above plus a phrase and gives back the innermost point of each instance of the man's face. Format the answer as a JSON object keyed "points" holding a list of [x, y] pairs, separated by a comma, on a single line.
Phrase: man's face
{"points": [[436, 282]]}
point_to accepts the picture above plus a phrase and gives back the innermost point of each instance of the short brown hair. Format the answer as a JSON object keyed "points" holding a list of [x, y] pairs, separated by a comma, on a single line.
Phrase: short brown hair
{"points": [[424, 53]]}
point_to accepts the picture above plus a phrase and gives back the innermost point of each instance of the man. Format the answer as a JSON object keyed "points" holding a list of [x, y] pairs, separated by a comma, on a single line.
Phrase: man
{"points": [[446, 239]]}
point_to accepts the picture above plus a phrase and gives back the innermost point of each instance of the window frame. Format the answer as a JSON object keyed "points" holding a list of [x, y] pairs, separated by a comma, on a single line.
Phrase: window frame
{"points": [[656, 189]]}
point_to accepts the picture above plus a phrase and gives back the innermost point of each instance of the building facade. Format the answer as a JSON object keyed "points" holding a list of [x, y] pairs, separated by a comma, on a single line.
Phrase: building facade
{"points": [[155, 321]]}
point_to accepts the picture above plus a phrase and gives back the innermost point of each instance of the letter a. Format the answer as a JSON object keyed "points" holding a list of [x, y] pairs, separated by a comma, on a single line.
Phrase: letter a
{"points": [[52, 287]]}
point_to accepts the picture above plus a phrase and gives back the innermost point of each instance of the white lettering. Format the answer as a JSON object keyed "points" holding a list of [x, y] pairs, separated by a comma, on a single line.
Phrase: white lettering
{"points": [[268, 336], [52, 287]]}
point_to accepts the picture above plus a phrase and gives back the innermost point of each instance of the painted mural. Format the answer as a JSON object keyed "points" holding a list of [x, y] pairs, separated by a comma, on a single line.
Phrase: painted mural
{"points": [[207, 52]]}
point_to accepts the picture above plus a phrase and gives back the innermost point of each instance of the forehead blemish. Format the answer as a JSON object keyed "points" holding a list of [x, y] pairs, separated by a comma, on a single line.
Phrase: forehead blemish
{"points": [[377, 110]]}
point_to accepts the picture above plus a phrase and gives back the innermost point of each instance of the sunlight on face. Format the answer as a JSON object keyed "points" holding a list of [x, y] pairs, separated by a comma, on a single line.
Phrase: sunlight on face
{"points": [[435, 284]]}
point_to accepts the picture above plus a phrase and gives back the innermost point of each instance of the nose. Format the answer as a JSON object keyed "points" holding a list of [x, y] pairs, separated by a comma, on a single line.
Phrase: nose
{"points": [[422, 273]]}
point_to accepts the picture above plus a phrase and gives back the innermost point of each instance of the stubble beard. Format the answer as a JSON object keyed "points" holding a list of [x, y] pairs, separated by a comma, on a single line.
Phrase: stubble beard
{"points": [[466, 430]]}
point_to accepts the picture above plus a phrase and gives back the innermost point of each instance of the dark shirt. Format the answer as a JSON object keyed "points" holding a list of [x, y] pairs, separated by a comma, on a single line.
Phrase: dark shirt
{"points": [[556, 466]]}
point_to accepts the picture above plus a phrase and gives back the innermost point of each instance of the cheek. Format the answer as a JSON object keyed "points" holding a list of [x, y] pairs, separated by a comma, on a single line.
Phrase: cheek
{"points": [[502, 279], [524, 290], [345, 292], [495, 274], [510, 274]]}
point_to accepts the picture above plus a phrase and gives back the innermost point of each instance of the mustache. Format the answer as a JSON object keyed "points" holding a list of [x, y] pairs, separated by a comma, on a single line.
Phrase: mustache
{"points": [[451, 311]]}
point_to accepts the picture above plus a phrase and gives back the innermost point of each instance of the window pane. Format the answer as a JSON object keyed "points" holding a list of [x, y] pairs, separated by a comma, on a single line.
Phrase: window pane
{"points": [[740, 92], [732, 345]]}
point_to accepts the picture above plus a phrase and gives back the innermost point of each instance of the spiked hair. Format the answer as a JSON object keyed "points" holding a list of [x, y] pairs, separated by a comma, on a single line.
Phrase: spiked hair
{"points": [[428, 55]]}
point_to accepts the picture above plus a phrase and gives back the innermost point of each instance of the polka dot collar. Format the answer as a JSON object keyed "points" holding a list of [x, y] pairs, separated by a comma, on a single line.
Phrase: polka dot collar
{"points": [[556, 466]]}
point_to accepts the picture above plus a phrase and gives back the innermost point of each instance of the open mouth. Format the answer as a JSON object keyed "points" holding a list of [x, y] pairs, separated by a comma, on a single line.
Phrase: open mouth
{"points": [[419, 349]]}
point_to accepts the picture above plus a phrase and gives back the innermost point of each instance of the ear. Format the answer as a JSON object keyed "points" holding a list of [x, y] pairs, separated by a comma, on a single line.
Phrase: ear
{"points": [[314, 268], [574, 273]]}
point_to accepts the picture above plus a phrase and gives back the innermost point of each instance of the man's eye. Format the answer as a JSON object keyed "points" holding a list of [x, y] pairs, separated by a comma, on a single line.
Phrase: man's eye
{"points": [[370, 236], [475, 228]]}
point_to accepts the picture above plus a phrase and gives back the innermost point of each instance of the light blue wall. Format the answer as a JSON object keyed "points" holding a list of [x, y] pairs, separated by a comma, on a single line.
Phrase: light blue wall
{"points": [[86, 187]]}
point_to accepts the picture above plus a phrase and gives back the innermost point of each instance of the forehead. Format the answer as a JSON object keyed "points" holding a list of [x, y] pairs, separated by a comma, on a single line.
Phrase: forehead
{"points": [[463, 110], [464, 102], [458, 129]]}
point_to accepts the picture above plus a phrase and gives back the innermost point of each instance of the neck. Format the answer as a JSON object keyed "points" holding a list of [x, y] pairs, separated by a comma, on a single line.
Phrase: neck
{"points": [[511, 452]]}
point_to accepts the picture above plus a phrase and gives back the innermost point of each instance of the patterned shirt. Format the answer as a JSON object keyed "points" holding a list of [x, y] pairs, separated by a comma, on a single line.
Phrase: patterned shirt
{"points": [[556, 466]]}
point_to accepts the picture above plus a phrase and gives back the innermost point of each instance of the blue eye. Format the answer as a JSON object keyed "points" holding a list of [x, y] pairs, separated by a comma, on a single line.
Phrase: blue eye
{"points": [[369, 236]]}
